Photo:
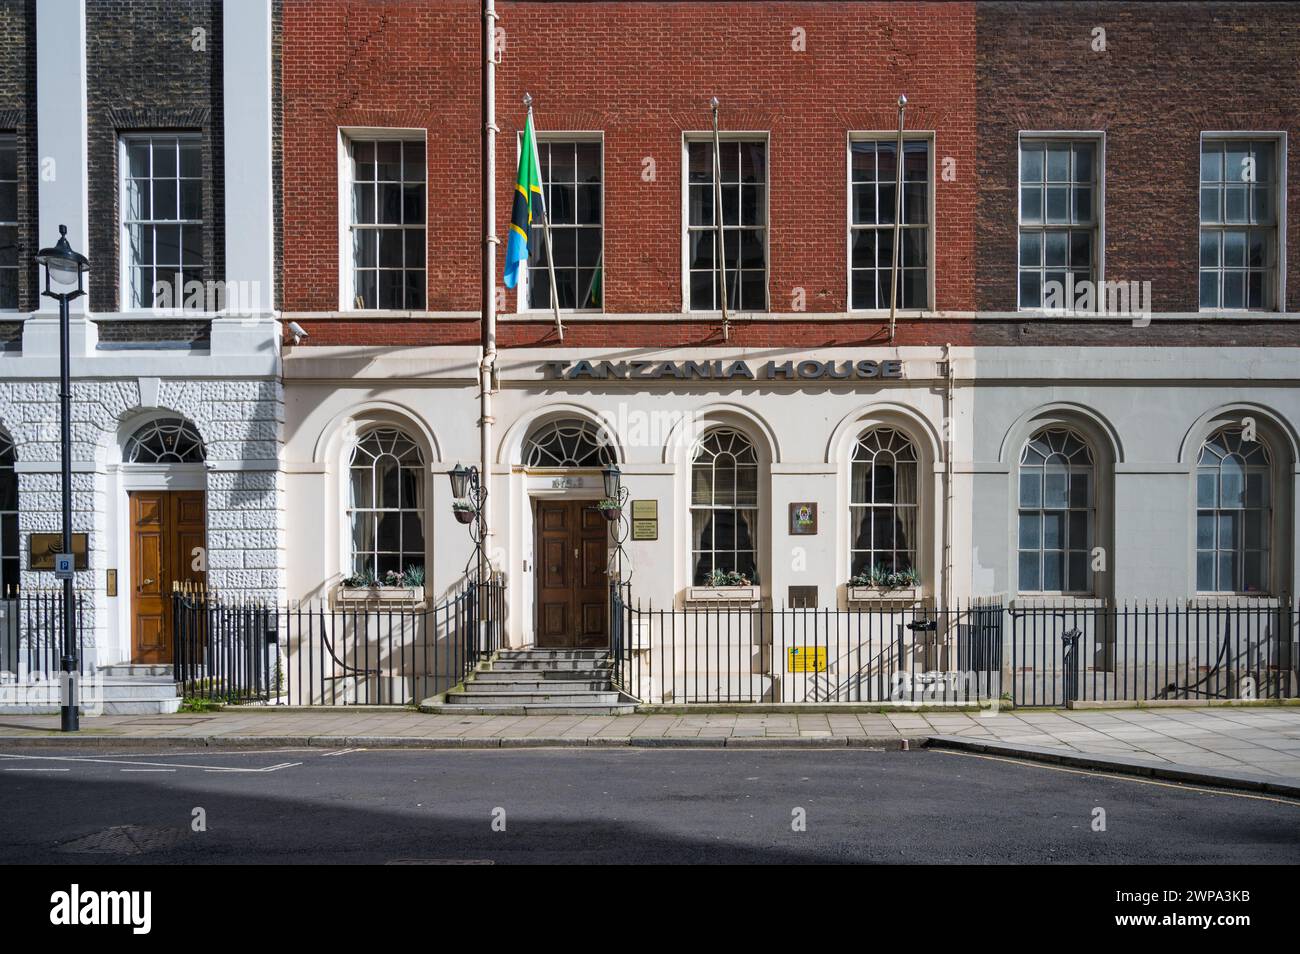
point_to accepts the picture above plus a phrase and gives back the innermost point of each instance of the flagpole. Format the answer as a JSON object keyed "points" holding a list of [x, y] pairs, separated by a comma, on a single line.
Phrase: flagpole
{"points": [[487, 364], [898, 215], [546, 226], [717, 220]]}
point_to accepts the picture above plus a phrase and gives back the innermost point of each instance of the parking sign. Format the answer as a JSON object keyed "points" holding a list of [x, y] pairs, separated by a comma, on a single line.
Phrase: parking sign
{"points": [[63, 566]]}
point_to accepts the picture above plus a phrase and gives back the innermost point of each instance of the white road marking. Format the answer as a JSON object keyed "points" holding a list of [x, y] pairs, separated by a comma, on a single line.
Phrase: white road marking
{"points": [[326, 755], [144, 770], [172, 766], [38, 770]]}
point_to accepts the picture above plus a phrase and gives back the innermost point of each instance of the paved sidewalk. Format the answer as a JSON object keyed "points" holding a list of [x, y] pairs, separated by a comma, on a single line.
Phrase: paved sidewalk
{"points": [[1255, 740]]}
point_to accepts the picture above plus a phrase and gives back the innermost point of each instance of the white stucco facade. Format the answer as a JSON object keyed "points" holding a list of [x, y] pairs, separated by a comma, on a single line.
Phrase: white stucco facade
{"points": [[1144, 413]]}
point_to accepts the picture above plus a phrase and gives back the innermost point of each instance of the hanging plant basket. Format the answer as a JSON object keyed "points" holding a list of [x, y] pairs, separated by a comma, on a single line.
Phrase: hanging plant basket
{"points": [[464, 516]]}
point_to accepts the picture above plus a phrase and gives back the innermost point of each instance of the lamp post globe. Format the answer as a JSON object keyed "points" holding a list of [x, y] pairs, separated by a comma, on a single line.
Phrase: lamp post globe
{"points": [[62, 265], [613, 479], [459, 476]]}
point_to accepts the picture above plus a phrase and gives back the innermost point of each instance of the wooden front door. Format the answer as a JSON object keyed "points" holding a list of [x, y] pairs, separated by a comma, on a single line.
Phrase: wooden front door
{"points": [[572, 551], [167, 526]]}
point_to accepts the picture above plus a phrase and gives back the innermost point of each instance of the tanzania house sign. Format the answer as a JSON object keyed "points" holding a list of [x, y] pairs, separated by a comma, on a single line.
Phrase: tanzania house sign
{"points": [[722, 370]]}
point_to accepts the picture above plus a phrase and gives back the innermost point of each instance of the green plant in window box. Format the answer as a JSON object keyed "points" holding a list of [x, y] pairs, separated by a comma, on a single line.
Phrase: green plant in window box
{"points": [[877, 577], [394, 584], [727, 578]]}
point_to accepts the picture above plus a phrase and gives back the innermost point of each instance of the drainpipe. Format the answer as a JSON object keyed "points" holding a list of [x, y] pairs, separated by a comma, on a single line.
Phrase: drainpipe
{"points": [[487, 362], [947, 475], [898, 216]]}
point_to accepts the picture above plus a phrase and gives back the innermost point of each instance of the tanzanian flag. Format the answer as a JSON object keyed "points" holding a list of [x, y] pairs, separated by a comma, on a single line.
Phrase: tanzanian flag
{"points": [[528, 199]]}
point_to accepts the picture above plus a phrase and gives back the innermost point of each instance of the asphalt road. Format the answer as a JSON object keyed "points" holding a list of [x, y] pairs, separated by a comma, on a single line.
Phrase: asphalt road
{"points": [[621, 805]]}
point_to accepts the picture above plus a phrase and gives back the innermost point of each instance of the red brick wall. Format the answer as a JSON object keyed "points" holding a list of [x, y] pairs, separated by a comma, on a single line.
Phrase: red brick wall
{"points": [[1169, 72], [642, 73]]}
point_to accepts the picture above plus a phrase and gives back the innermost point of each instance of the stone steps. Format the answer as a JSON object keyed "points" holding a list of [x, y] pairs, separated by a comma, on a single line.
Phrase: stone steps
{"points": [[539, 681], [110, 690], [542, 665]]}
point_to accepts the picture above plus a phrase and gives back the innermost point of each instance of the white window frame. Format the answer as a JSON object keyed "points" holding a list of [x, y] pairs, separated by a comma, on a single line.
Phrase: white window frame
{"points": [[1273, 532], [1098, 137], [347, 555], [1279, 211], [11, 139], [760, 502], [684, 231], [346, 284], [918, 506], [885, 135], [124, 264], [1093, 510], [522, 290]]}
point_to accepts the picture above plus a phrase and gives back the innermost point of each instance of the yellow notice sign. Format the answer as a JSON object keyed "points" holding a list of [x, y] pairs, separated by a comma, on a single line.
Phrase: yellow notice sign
{"points": [[806, 659]]}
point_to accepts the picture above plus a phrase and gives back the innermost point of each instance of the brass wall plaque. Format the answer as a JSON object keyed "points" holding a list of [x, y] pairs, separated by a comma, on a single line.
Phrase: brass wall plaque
{"points": [[645, 520], [43, 546], [111, 582]]}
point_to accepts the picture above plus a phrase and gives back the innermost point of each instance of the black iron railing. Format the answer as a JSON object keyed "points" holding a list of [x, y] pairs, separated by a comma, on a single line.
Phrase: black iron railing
{"points": [[1151, 651], [1036, 655], [743, 653], [322, 653], [31, 634]]}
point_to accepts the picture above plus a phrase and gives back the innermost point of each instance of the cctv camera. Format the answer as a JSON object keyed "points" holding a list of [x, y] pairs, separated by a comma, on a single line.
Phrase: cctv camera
{"points": [[298, 331]]}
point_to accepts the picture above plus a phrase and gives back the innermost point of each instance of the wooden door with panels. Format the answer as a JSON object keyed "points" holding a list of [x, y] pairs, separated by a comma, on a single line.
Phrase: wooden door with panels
{"points": [[167, 527], [572, 552]]}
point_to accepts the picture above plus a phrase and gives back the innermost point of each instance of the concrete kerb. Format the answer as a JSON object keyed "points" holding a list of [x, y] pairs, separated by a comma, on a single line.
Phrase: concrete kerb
{"points": [[892, 743], [1123, 765]]}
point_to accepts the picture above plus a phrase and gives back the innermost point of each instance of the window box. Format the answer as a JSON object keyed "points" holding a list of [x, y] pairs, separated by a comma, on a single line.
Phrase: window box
{"points": [[380, 594], [723, 594], [882, 594]]}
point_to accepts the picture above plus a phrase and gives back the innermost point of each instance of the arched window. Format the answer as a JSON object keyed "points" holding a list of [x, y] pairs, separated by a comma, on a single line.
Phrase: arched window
{"points": [[883, 502], [724, 506], [8, 517], [1057, 513], [386, 504], [570, 442], [1233, 514], [167, 440]]}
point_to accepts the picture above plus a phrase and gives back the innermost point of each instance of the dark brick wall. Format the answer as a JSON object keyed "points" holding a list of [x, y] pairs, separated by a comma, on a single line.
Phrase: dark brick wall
{"points": [[144, 76], [642, 73], [192, 334], [277, 144], [18, 116], [1169, 72]]}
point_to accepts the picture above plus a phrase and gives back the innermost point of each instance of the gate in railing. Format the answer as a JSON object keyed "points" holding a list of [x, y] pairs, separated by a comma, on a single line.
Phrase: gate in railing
{"points": [[734, 653], [1153, 651], [318, 653]]}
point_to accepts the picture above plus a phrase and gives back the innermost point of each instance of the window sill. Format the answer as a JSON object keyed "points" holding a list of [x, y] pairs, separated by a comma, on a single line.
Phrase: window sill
{"points": [[1057, 601], [877, 595], [383, 595], [1233, 601], [712, 595]]}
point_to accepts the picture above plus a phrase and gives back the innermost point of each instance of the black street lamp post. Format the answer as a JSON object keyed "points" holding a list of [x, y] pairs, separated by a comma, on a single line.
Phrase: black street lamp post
{"points": [[612, 508], [468, 495], [65, 267]]}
